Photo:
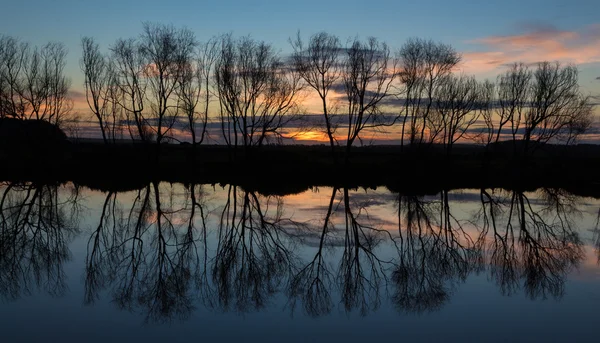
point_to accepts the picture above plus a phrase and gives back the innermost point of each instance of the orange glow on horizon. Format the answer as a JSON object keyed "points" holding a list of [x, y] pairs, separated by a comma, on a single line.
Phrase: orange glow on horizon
{"points": [[308, 136]]}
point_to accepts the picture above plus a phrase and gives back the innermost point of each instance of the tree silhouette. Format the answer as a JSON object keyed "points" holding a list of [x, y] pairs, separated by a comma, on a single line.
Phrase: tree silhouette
{"points": [[128, 67], [457, 98], [257, 91], [317, 62], [368, 74], [100, 87], [32, 81], [193, 89], [424, 65], [539, 106], [166, 53]]}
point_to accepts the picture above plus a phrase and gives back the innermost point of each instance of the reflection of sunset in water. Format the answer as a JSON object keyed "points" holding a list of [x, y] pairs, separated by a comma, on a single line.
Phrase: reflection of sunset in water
{"points": [[314, 249]]}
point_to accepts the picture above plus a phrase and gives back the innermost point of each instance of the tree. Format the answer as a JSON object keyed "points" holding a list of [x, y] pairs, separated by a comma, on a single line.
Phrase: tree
{"points": [[557, 107], [456, 101], [318, 64], [99, 85], [12, 62], [538, 106], [486, 109], [193, 89], [513, 94], [368, 74], [128, 65], [32, 81], [424, 65], [256, 91], [166, 52]]}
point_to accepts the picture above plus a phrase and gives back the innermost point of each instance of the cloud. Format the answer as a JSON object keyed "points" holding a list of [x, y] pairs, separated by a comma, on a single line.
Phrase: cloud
{"points": [[598, 78], [535, 42], [76, 95]]}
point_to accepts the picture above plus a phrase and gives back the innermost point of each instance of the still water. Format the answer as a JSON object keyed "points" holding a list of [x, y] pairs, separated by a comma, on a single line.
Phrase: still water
{"points": [[174, 263]]}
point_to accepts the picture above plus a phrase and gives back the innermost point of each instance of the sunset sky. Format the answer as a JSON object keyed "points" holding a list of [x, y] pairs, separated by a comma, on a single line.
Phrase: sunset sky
{"points": [[488, 34]]}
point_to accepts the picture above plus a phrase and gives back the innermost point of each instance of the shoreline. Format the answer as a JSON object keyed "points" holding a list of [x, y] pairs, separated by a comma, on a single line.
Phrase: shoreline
{"points": [[291, 169]]}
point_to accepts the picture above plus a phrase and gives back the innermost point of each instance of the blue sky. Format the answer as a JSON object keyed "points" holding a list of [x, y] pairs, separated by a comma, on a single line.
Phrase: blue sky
{"points": [[487, 33]]}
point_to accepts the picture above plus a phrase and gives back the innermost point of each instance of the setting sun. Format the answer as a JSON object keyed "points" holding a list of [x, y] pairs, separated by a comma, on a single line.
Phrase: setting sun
{"points": [[308, 136]]}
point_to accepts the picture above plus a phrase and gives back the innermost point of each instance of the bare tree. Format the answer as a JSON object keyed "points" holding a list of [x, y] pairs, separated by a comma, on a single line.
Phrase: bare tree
{"points": [[424, 65], [32, 81], [166, 52], [12, 62], [189, 93], [538, 106], [98, 84], [128, 66], [503, 103], [557, 107], [318, 64], [486, 108], [457, 98], [56, 103], [513, 94], [193, 90], [256, 91], [368, 73]]}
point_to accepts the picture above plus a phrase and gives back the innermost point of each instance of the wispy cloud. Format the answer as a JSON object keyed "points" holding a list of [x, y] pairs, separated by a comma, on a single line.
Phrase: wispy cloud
{"points": [[535, 42]]}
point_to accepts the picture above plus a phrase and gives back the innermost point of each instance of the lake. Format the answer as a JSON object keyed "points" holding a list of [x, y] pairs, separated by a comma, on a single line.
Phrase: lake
{"points": [[174, 262]]}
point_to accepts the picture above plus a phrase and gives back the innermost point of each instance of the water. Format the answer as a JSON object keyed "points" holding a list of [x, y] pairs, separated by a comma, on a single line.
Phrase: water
{"points": [[174, 263]]}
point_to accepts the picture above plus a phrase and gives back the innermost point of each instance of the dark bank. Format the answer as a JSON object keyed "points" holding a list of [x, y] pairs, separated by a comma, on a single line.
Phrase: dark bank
{"points": [[40, 152]]}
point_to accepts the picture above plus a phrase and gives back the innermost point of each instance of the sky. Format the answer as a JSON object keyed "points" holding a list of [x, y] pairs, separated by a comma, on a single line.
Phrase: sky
{"points": [[488, 34]]}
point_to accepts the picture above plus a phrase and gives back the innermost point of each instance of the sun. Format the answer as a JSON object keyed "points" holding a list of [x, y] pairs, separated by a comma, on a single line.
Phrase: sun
{"points": [[308, 136]]}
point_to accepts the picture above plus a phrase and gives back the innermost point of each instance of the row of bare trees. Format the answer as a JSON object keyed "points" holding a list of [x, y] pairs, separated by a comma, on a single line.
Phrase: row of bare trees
{"points": [[145, 82], [533, 104], [165, 80], [32, 81], [536, 105], [363, 88]]}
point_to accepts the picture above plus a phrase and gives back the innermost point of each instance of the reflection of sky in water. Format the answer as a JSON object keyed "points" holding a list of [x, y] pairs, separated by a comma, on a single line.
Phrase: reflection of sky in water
{"points": [[473, 306]]}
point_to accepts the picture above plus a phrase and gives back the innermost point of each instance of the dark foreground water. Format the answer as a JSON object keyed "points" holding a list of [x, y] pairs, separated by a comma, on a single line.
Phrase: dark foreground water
{"points": [[175, 263]]}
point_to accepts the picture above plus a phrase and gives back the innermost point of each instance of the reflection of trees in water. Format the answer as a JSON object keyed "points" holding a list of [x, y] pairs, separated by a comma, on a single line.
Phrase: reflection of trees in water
{"points": [[435, 253], [312, 282], [147, 256], [155, 256], [161, 255], [36, 225], [252, 257], [533, 244], [596, 236], [360, 272]]}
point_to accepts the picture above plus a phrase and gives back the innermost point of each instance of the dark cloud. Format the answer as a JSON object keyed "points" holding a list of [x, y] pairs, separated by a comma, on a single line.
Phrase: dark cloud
{"points": [[77, 96], [538, 27], [598, 78]]}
